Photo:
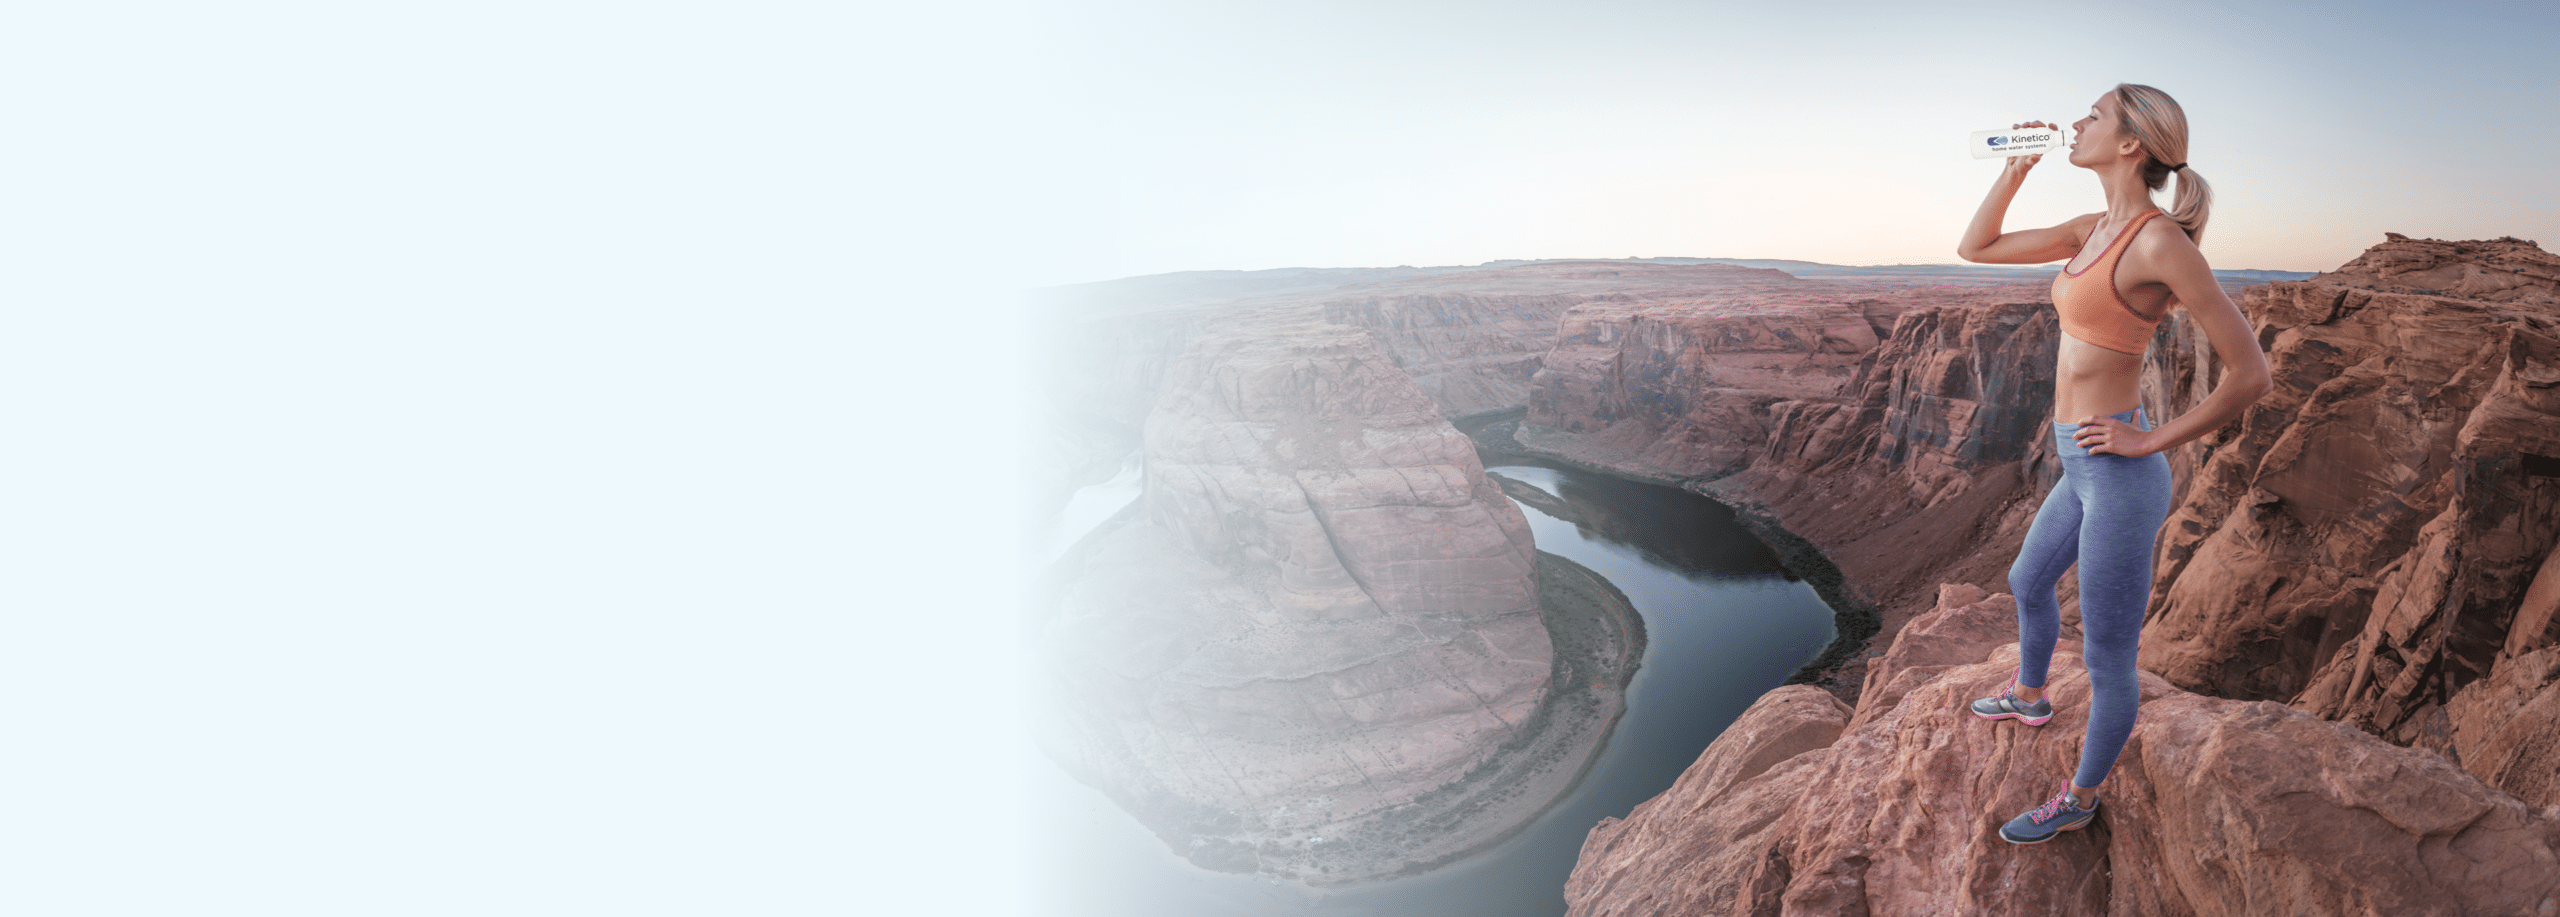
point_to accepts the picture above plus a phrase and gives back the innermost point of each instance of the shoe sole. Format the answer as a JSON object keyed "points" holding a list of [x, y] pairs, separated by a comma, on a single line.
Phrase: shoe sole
{"points": [[2020, 717], [2057, 832]]}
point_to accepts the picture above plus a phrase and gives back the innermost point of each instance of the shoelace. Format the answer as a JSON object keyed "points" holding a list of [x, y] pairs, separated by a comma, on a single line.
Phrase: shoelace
{"points": [[2052, 808]]}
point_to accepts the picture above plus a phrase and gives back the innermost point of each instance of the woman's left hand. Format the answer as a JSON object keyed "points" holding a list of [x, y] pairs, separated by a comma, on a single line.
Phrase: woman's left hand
{"points": [[2107, 435]]}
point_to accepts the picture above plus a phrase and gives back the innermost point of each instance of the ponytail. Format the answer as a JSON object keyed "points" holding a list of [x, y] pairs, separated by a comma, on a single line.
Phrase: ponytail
{"points": [[2154, 120]]}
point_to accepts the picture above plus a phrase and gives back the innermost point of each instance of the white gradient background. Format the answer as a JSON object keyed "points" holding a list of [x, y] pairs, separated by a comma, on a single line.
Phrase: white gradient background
{"points": [[554, 457], [447, 472]]}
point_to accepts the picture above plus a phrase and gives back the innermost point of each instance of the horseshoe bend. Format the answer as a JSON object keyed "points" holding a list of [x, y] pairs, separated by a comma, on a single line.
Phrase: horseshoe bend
{"points": [[1322, 620]]}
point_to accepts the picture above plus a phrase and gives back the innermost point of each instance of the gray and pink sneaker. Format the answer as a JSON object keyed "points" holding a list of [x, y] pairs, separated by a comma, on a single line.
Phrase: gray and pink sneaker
{"points": [[2008, 706], [2042, 823]]}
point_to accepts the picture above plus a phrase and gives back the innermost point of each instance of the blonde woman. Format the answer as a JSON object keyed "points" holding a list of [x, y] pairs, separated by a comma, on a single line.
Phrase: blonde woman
{"points": [[2128, 266]]}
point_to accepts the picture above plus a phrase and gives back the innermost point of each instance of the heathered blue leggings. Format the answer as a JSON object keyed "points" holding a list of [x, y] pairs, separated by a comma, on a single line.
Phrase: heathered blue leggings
{"points": [[2106, 513]]}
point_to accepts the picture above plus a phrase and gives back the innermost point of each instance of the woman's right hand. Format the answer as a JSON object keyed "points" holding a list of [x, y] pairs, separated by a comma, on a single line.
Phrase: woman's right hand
{"points": [[2017, 166]]}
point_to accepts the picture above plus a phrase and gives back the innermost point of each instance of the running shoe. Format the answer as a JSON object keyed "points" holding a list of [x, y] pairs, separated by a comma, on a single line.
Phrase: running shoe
{"points": [[2057, 815], [2007, 706]]}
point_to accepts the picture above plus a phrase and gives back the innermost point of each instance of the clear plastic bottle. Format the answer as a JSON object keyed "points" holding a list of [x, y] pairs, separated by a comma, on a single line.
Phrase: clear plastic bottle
{"points": [[2020, 142]]}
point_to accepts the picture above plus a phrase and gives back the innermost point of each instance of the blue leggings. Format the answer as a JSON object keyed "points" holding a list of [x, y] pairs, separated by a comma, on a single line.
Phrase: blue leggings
{"points": [[2106, 513]]}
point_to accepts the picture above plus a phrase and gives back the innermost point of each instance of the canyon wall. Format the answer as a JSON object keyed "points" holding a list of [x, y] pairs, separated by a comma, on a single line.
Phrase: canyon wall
{"points": [[1926, 466], [2366, 542], [2381, 533], [1469, 339], [1900, 432], [1322, 614], [1315, 650], [2352, 686], [1683, 387]]}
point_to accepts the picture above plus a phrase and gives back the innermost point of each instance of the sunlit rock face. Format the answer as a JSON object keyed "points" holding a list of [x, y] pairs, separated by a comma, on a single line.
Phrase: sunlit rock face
{"points": [[2375, 542], [2217, 807]]}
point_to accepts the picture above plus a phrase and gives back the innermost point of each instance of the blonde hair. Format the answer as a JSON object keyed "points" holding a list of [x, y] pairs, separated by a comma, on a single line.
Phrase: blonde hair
{"points": [[2154, 120]]}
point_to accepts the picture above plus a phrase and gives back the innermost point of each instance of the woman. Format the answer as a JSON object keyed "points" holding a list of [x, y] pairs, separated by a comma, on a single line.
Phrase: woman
{"points": [[2127, 269]]}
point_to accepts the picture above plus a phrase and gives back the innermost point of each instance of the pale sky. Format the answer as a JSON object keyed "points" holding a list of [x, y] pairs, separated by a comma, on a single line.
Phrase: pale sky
{"points": [[1181, 136]]}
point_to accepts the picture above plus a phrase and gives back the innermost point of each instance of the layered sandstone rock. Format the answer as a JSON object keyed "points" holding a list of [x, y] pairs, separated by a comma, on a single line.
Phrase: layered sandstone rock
{"points": [[2502, 726], [2406, 463], [1679, 383], [1470, 338], [1324, 614], [2504, 270], [2216, 807], [2377, 536], [1925, 465], [1471, 341]]}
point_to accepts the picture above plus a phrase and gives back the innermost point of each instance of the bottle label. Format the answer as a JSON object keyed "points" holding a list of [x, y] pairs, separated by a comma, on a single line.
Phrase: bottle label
{"points": [[1991, 144]]}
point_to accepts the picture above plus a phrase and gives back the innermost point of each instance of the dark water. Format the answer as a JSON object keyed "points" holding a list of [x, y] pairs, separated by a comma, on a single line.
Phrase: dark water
{"points": [[1725, 623]]}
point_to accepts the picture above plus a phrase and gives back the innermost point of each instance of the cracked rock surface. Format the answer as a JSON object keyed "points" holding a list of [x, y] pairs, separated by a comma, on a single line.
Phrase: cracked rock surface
{"points": [[2217, 807]]}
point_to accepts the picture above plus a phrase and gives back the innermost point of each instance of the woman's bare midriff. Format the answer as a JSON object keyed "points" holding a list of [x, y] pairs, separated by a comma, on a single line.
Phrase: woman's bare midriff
{"points": [[2092, 381]]}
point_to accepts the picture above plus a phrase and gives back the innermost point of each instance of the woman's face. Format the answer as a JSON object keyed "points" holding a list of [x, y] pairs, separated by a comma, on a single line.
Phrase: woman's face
{"points": [[2094, 137]]}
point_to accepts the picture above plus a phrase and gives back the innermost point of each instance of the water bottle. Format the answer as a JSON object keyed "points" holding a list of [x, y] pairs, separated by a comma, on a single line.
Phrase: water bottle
{"points": [[2020, 142]]}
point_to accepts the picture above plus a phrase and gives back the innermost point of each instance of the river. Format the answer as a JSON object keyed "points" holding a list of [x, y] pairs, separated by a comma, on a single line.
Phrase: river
{"points": [[1725, 623]]}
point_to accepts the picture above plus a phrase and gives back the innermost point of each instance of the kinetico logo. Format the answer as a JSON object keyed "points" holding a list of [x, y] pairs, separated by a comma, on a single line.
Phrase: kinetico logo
{"points": [[2013, 142]]}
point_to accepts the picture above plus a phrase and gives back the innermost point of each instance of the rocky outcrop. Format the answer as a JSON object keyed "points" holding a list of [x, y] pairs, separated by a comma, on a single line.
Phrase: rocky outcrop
{"points": [[2216, 807], [1321, 634], [2502, 726], [2504, 270], [2381, 534]]}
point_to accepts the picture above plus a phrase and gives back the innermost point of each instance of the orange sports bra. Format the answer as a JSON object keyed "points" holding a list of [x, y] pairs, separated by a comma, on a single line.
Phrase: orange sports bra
{"points": [[2091, 308]]}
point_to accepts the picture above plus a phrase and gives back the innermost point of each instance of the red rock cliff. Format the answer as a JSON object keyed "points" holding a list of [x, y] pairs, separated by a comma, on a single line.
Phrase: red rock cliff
{"points": [[2378, 540], [2372, 553], [2217, 807]]}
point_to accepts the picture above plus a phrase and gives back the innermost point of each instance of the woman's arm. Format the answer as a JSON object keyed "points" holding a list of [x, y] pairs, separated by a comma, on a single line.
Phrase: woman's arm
{"points": [[2163, 254], [1983, 241]]}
